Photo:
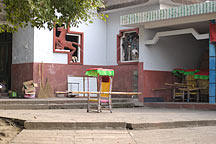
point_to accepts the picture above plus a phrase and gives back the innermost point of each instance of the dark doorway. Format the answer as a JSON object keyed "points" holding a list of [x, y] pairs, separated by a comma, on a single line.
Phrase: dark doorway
{"points": [[5, 59]]}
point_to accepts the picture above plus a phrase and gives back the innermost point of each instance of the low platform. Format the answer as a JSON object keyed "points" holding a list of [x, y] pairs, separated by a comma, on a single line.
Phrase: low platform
{"points": [[181, 105], [172, 126], [59, 103], [142, 118]]}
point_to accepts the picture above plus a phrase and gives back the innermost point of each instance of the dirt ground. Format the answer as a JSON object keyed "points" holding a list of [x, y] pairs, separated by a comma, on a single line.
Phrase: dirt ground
{"points": [[8, 131]]}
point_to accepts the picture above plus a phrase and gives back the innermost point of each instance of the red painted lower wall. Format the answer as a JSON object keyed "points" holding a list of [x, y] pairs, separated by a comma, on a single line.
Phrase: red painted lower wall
{"points": [[19, 74], [156, 80], [124, 79], [141, 81], [57, 75]]}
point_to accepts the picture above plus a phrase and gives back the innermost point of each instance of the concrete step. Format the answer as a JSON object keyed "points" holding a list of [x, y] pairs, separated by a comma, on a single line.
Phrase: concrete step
{"points": [[4, 95], [60, 106], [38, 125], [41, 101], [23, 106], [31, 125], [181, 105], [55, 101], [108, 125], [84, 105], [136, 102], [58, 103]]}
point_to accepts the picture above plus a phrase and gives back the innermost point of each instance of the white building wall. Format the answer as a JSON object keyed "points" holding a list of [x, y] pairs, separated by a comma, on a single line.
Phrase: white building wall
{"points": [[166, 6], [94, 45], [43, 48], [113, 27], [182, 51], [100, 43], [23, 45], [94, 42]]}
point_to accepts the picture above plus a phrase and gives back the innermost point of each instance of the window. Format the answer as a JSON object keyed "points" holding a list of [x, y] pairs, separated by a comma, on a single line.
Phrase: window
{"points": [[66, 41], [128, 46]]}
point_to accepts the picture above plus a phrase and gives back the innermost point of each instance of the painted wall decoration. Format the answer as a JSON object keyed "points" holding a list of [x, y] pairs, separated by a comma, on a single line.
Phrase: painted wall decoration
{"points": [[66, 41], [128, 46]]}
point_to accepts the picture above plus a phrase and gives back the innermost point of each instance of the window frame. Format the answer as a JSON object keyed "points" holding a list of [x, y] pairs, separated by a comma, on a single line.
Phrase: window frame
{"points": [[81, 42], [119, 48]]}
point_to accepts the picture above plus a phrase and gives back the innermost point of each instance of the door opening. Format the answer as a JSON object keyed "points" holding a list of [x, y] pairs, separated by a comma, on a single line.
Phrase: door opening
{"points": [[5, 60]]}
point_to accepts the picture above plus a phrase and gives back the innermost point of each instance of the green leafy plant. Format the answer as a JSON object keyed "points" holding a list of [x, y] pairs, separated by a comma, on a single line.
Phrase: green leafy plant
{"points": [[47, 13]]}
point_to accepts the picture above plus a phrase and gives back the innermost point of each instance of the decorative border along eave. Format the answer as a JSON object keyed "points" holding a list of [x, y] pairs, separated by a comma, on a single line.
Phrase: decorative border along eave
{"points": [[170, 13], [176, 32]]}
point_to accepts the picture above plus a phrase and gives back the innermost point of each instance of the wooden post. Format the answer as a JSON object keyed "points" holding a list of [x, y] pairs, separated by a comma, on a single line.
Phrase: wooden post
{"points": [[110, 90], [99, 95], [88, 107], [84, 86]]}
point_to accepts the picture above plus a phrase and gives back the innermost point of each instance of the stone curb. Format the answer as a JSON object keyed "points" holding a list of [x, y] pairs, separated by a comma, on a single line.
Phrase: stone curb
{"points": [[196, 106], [55, 101], [116, 125], [74, 125], [59, 106], [170, 125], [34, 125]]}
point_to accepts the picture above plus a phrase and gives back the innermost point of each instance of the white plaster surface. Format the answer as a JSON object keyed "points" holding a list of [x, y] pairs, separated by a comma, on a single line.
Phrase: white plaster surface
{"points": [[171, 52], [100, 44], [191, 31], [94, 42], [94, 45], [166, 6], [43, 48], [113, 27], [23, 46]]}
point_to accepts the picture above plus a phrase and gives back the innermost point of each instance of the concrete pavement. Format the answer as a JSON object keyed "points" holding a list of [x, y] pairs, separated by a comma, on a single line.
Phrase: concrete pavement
{"points": [[192, 135], [150, 125], [133, 118], [197, 135], [130, 115]]}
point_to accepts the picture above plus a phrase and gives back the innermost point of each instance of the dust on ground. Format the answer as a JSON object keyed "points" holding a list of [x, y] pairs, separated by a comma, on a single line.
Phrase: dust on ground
{"points": [[8, 130]]}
